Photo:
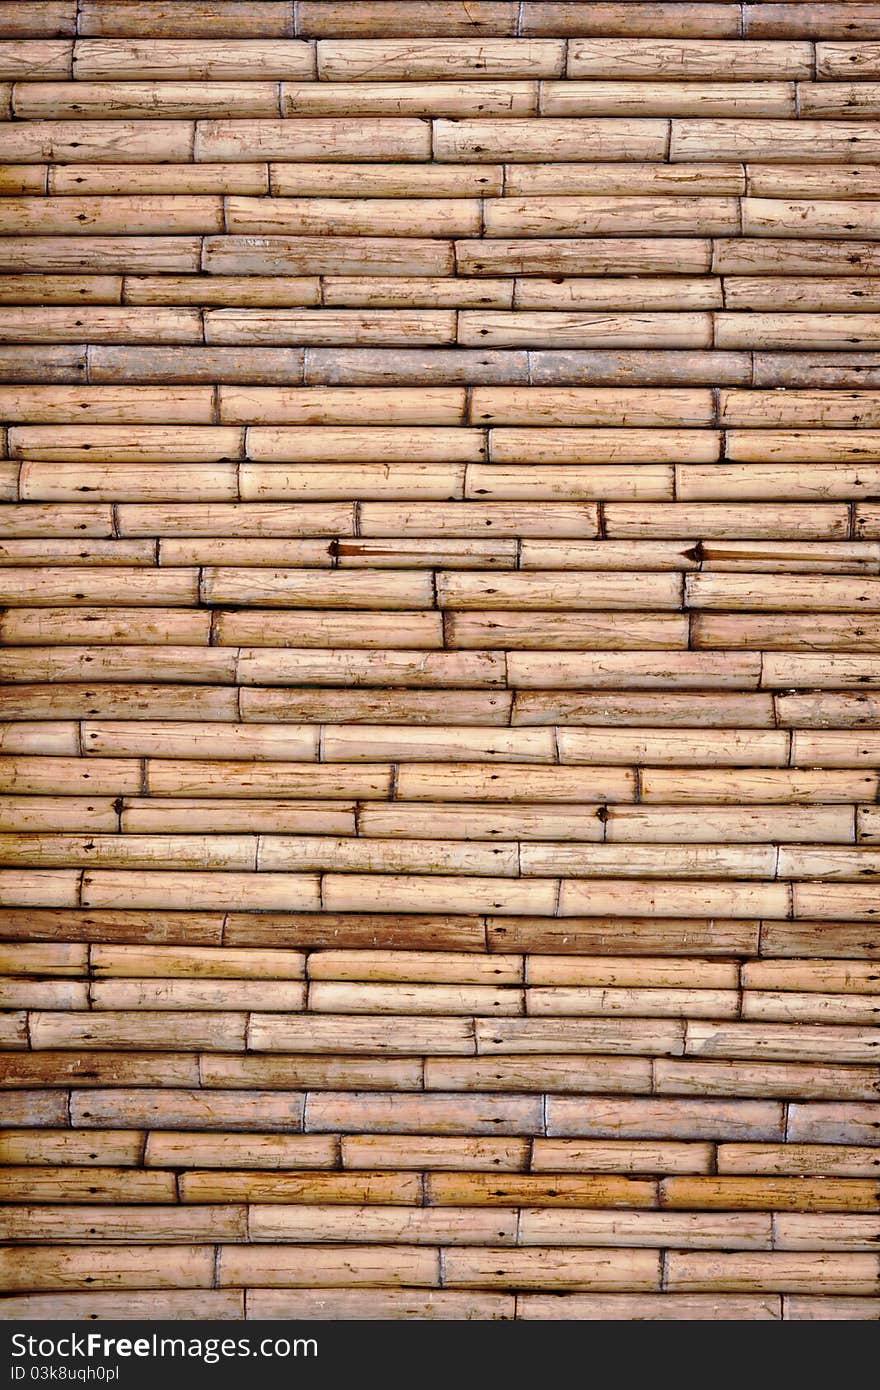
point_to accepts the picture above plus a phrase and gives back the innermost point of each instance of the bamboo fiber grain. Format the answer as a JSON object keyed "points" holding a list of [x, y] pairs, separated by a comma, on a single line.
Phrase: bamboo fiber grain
{"points": [[440, 726]]}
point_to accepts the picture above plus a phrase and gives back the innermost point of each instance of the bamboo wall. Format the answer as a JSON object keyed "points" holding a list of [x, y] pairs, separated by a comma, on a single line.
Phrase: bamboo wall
{"points": [[441, 593]]}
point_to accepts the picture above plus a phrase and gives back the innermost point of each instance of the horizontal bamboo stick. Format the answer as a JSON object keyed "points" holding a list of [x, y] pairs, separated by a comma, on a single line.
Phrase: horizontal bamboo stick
{"points": [[124, 1224], [414, 966], [297, 1071], [348, 1034], [596, 406], [563, 216], [733, 1230], [192, 18], [344, 743], [614, 936], [393, 1224], [782, 1079], [775, 24], [556, 1072], [123, 178], [769, 785], [332, 996], [656, 330], [825, 257], [195, 1148], [288, 1266], [170, 962], [370, 706], [344, 60], [171, 1109], [553, 1269], [832, 976], [117, 699], [198, 889], [332, 255], [317, 180], [347, 217], [551, 139], [33, 1184], [393, 1304], [330, 325], [427, 291], [535, 1190], [645, 670], [801, 1231], [41, 58], [690, 58], [621, 1156], [31, 1107], [209, 777], [643, 1003], [622, 294], [832, 1274], [672, 1119], [709, 709], [347, 667], [781, 1041], [778, 292], [118, 215], [434, 893], [560, 631], [197, 994], [321, 138], [629, 178], [838, 1160], [470, 820], [382, 931], [106, 1267], [651, 1307], [44, 994], [601, 255], [36, 959], [181, 1304], [132, 927], [291, 1186], [183, 663], [832, 1123], [61, 626], [156, 254], [90, 1068], [150, 1031], [647, 861], [103, 142], [62, 289], [499, 1037], [783, 632], [430, 1114], [221, 292], [786, 593], [110, 1148], [837, 98], [747, 520], [670, 97], [248, 59], [781, 1194], [768, 141], [453, 18], [846, 60], [65, 551], [746, 824]]}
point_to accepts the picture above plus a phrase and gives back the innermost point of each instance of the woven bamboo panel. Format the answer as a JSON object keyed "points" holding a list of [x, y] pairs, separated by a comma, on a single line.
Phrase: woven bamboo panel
{"points": [[440, 588]]}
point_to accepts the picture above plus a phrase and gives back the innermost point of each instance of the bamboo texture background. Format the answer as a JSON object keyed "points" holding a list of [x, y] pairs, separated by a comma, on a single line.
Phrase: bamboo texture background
{"points": [[439, 797]]}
